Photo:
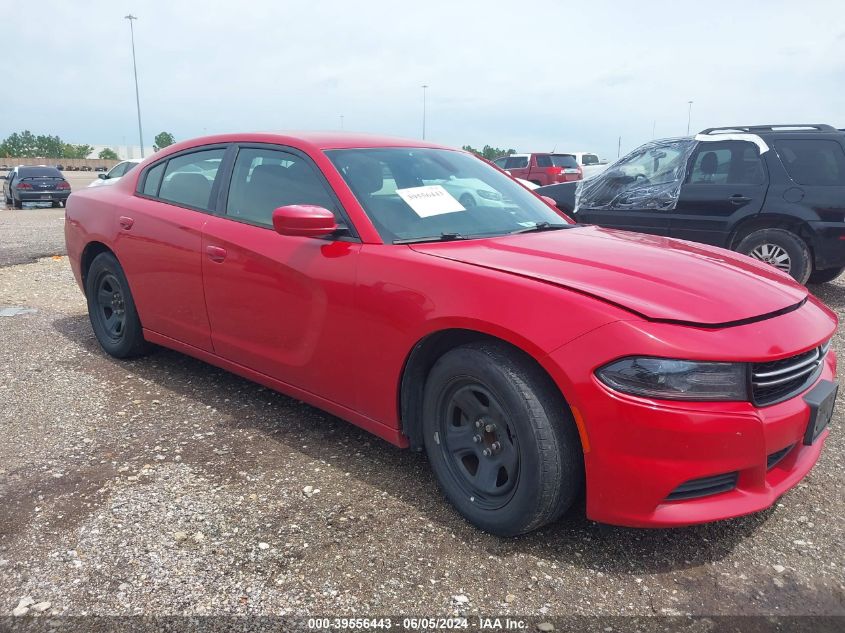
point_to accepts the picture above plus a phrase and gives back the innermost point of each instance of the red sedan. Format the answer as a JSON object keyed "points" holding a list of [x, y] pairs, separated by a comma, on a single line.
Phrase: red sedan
{"points": [[533, 359]]}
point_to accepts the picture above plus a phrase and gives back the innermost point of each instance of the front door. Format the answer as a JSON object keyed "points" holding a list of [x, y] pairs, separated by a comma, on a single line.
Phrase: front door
{"points": [[726, 183], [281, 305]]}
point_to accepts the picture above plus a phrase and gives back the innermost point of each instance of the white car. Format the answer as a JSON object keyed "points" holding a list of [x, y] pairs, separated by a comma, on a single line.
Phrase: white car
{"points": [[115, 173], [590, 163]]}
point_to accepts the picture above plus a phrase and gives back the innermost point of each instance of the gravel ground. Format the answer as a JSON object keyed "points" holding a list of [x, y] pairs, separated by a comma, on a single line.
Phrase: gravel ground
{"points": [[165, 486]]}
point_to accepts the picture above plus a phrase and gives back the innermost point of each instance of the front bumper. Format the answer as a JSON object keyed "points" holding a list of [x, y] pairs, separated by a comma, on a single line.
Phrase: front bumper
{"points": [[638, 451]]}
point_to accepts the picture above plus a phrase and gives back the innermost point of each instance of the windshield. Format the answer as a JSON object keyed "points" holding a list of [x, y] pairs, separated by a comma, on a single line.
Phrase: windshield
{"points": [[411, 194]]}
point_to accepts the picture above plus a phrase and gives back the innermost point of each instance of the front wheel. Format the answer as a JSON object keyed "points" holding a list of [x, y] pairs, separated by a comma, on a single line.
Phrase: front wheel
{"points": [[780, 248], [112, 310], [826, 275], [499, 438]]}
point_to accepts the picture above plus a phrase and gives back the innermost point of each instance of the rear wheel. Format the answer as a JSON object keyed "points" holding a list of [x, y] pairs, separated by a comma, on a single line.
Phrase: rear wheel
{"points": [[112, 310], [780, 248], [500, 440], [823, 276], [18, 204]]}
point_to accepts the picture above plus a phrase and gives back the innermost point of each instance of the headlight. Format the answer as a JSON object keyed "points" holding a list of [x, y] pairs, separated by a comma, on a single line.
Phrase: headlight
{"points": [[488, 195], [669, 379]]}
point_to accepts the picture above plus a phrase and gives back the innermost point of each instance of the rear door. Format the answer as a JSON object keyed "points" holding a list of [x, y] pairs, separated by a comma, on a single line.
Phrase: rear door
{"points": [[726, 182], [278, 304], [159, 242]]}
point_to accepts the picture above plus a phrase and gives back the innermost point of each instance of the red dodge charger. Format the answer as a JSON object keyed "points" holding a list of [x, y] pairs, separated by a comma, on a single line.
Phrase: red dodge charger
{"points": [[420, 293]]}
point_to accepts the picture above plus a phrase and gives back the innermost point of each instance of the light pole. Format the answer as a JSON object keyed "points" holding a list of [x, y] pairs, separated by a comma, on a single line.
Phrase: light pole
{"points": [[689, 116], [131, 19], [424, 87], [341, 121]]}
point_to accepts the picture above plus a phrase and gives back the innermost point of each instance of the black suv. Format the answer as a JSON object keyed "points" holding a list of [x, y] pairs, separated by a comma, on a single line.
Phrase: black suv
{"points": [[774, 192]]}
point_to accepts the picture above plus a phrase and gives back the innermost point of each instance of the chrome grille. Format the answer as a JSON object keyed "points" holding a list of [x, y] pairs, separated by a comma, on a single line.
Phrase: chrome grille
{"points": [[781, 379]]}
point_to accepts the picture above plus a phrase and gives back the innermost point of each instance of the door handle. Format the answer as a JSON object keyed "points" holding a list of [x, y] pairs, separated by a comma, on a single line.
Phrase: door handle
{"points": [[126, 222], [216, 253], [738, 198]]}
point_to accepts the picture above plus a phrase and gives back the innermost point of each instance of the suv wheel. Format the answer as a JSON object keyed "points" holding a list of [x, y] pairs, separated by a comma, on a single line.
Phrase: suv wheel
{"points": [[499, 441], [823, 276], [782, 249]]}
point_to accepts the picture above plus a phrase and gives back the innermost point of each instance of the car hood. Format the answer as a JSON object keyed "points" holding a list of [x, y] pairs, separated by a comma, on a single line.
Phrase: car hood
{"points": [[656, 277]]}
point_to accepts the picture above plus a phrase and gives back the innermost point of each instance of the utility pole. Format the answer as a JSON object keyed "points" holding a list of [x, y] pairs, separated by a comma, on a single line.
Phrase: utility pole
{"points": [[341, 121], [131, 19], [619, 148], [689, 116], [424, 87]]}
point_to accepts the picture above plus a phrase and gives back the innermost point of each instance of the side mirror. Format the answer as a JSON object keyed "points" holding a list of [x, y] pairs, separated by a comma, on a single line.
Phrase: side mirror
{"points": [[549, 201], [304, 220], [102, 176]]}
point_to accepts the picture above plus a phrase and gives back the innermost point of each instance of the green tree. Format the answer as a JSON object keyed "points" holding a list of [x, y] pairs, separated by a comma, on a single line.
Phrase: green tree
{"points": [[108, 154], [21, 144], [76, 151], [48, 146], [162, 140], [488, 152]]}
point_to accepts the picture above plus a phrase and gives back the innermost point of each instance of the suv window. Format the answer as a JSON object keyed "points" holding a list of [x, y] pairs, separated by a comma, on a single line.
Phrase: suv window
{"points": [[567, 161], [544, 160], [516, 162], [813, 162], [727, 163], [188, 178], [589, 159], [500, 162], [265, 179]]}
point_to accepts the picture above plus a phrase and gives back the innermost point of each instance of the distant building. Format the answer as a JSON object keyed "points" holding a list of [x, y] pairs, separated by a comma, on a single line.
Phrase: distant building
{"points": [[123, 151]]}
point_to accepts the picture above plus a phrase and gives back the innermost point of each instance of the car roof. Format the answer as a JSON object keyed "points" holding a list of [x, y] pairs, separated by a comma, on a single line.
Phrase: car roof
{"points": [[311, 140]]}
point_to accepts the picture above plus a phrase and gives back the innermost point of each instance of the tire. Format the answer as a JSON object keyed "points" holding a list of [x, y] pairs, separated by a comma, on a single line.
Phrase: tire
{"points": [[534, 468], [18, 204], [781, 248], [826, 275], [112, 310], [55, 204]]}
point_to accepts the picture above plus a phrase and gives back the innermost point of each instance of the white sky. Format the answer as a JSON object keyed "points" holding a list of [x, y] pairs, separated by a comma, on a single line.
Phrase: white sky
{"points": [[532, 76]]}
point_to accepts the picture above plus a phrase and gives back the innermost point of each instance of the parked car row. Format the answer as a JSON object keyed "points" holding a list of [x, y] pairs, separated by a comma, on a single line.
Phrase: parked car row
{"points": [[775, 193], [533, 359]]}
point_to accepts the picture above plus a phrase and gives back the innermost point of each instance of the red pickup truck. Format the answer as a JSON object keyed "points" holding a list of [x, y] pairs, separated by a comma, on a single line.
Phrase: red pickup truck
{"points": [[541, 169]]}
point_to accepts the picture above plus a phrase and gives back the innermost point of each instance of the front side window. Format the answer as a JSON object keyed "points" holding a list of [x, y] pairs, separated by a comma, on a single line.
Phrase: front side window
{"points": [[727, 163], [813, 162], [266, 179], [650, 177], [430, 193], [500, 162], [188, 178], [118, 170]]}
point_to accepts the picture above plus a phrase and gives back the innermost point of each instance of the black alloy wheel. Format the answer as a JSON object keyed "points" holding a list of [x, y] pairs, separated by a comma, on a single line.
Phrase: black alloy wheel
{"points": [[478, 444]]}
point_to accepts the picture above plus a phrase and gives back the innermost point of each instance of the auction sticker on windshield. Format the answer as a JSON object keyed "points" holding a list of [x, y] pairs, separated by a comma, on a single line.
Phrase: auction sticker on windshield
{"points": [[430, 200]]}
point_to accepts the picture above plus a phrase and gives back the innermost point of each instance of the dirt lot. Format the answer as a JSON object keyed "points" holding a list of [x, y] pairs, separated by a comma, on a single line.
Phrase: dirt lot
{"points": [[165, 486]]}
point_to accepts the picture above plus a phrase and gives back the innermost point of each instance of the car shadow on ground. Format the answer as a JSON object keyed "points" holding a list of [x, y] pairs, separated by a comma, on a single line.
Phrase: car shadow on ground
{"points": [[404, 475]]}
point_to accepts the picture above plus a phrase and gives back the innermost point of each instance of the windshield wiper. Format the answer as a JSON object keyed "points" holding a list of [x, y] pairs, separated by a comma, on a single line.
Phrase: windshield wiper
{"points": [[443, 237], [542, 226]]}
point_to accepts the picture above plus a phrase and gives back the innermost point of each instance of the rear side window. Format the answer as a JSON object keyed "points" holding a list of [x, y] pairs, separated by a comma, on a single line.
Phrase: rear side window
{"points": [[544, 160], [516, 162], [153, 180], [813, 162], [266, 179], [188, 178], [39, 172]]}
